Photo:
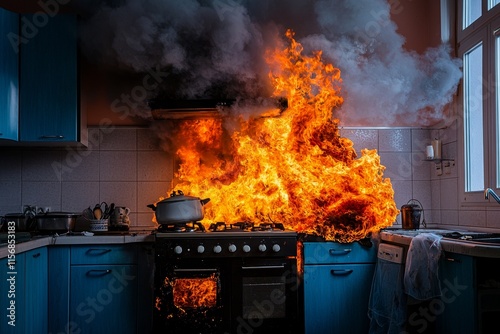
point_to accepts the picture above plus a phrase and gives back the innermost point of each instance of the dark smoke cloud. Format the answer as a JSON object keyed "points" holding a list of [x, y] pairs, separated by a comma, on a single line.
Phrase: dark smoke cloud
{"points": [[217, 47]]}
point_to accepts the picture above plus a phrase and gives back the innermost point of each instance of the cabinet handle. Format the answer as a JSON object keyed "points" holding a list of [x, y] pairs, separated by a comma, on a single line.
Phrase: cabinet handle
{"points": [[450, 259], [36, 255], [52, 137], [336, 252], [97, 251], [98, 272], [341, 272]]}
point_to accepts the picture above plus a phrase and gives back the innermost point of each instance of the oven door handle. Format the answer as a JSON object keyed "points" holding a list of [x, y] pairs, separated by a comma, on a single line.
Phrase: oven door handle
{"points": [[183, 270], [341, 272], [263, 267]]}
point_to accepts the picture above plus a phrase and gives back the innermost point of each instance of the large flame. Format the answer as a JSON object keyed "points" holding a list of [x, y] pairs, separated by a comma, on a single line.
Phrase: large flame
{"points": [[292, 167]]}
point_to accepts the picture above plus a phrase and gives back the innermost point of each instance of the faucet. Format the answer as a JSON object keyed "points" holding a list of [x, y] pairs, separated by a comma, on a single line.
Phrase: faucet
{"points": [[489, 191]]}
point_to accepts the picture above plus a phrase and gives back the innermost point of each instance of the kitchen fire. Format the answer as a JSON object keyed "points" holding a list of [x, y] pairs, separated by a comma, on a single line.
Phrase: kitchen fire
{"points": [[231, 262]]}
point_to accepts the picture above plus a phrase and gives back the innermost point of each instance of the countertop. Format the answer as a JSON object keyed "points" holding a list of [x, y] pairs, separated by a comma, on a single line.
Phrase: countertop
{"points": [[466, 247], [41, 241]]}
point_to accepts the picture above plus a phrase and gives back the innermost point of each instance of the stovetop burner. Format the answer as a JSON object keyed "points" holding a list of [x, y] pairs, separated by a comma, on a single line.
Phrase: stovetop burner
{"points": [[245, 226], [181, 227]]}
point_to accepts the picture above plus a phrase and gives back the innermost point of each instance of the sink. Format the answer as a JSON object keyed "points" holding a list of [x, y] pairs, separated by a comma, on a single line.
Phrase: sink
{"points": [[488, 240], [482, 237], [462, 236]]}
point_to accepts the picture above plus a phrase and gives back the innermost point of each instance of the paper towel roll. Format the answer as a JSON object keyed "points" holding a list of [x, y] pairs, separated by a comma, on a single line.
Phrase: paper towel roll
{"points": [[436, 146], [430, 152]]}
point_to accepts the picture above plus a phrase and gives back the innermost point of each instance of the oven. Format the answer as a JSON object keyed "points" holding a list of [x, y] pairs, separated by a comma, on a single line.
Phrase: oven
{"points": [[229, 281]]}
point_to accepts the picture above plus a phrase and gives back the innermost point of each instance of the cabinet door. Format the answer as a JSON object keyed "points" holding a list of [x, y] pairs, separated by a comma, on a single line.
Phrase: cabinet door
{"points": [[336, 298], [456, 312], [103, 298], [36, 290], [12, 299], [9, 69], [48, 88]]}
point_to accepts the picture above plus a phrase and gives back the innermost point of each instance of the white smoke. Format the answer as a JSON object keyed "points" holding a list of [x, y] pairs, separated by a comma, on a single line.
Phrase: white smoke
{"points": [[218, 47]]}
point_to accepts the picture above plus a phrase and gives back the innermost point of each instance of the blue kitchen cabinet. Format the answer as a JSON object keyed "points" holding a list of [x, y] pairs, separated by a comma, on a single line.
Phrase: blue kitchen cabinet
{"points": [[103, 286], [455, 311], [337, 282], [9, 75], [49, 104], [12, 300], [59, 268], [25, 286], [104, 298], [94, 289], [36, 290]]}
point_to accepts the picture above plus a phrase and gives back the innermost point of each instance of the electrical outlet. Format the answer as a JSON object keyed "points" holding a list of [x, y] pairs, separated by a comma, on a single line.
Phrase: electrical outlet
{"points": [[446, 167], [439, 169]]}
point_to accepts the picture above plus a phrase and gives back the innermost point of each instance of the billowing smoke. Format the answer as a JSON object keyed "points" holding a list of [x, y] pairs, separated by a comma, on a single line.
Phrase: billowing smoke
{"points": [[217, 48]]}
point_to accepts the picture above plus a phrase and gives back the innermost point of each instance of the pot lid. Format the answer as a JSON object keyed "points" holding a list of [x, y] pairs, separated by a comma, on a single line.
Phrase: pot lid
{"points": [[179, 197]]}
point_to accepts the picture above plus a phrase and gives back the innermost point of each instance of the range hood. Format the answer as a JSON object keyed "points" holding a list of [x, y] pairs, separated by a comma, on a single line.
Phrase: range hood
{"points": [[165, 109]]}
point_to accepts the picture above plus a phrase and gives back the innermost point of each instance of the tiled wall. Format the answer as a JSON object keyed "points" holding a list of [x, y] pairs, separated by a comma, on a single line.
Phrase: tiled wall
{"points": [[126, 166], [121, 165]]}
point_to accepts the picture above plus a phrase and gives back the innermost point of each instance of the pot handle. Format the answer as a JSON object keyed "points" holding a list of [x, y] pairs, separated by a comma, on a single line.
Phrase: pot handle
{"points": [[152, 206], [204, 201]]}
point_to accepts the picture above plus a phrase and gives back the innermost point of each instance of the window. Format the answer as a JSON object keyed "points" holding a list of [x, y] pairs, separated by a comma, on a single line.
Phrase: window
{"points": [[473, 119], [479, 47]]}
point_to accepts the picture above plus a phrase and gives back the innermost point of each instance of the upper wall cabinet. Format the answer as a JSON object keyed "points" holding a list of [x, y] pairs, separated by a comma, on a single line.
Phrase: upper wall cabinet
{"points": [[49, 89], [9, 71]]}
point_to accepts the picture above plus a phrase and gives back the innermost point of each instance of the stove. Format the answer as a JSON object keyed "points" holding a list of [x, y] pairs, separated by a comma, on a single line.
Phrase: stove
{"points": [[228, 278]]}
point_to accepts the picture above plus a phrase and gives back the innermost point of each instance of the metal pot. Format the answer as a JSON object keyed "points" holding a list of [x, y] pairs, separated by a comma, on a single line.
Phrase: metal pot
{"points": [[179, 208], [56, 221], [410, 216], [21, 221]]}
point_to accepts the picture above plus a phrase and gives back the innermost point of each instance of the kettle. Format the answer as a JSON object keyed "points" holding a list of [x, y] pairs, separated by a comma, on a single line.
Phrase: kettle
{"points": [[410, 215]]}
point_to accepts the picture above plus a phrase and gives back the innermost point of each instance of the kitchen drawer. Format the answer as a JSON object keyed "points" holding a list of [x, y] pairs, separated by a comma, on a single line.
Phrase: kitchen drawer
{"points": [[104, 254], [334, 252]]}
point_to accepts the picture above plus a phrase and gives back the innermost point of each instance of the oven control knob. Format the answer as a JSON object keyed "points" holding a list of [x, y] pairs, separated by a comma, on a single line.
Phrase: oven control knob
{"points": [[217, 249], [276, 248], [178, 250], [262, 248], [200, 249], [232, 248], [246, 248]]}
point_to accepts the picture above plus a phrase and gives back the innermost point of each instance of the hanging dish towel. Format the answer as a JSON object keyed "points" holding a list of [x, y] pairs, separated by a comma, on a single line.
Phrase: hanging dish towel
{"points": [[421, 279]]}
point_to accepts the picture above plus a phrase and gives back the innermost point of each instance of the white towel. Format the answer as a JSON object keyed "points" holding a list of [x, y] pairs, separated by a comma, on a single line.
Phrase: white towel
{"points": [[421, 279]]}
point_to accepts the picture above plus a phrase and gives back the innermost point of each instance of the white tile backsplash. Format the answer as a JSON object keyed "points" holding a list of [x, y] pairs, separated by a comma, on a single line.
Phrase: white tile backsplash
{"points": [[395, 140], [117, 165], [118, 139]]}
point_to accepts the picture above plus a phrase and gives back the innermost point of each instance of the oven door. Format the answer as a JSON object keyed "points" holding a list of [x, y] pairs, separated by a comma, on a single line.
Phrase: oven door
{"points": [[269, 302], [191, 297]]}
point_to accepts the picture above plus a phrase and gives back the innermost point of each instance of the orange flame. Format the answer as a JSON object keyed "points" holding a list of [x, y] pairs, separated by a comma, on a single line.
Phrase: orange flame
{"points": [[295, 168], [195, 292]]}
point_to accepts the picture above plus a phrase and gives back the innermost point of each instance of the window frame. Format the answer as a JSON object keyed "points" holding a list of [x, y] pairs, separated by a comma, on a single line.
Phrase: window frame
{"points": [[484, 30]]}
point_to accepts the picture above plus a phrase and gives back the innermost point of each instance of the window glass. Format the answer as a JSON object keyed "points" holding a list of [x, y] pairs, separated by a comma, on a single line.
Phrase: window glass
{"points": [[472, 11], [492, 3], [473, 119]]}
